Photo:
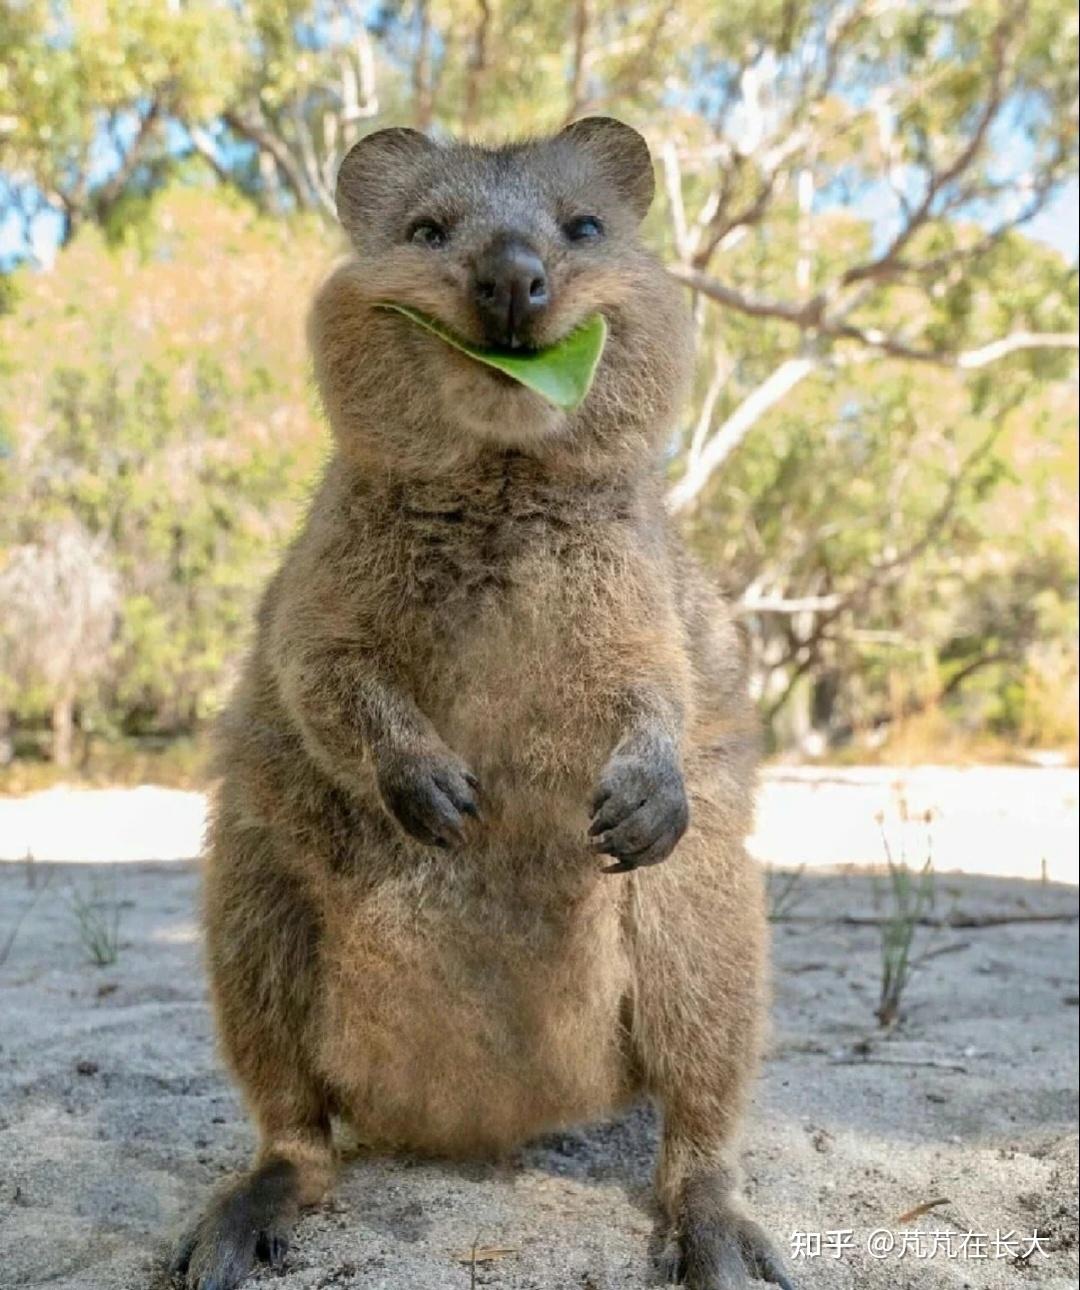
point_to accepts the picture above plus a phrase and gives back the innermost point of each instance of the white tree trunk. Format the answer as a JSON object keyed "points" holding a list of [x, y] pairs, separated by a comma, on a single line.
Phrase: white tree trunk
{"points": [[734, 430], [63, 729]]}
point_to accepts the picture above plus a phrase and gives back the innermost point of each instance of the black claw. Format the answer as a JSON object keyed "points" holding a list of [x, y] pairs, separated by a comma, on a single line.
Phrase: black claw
{"points": [[429, 796], [178, 1264], [722, 1247], [766, 1270], [640, 810], [761, 1258], [272, 1248], [247, 1221]]}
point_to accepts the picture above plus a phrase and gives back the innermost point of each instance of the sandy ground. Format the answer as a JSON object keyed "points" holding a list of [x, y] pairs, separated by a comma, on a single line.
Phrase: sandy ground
{"points": [[1009, 821], [116, 1118]]}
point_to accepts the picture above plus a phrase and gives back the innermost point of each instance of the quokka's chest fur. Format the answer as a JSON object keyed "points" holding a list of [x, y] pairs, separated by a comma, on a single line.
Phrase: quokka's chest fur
{"points": [[461, 547], [511, 596]]}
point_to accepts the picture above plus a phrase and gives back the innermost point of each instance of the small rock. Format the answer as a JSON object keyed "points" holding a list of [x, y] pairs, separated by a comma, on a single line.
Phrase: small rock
{"points": [[821, 1138], [87, 1068]]}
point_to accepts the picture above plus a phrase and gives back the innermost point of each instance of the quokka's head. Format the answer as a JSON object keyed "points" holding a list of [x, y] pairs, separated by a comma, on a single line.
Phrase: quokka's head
{"points": [[509, 247]]}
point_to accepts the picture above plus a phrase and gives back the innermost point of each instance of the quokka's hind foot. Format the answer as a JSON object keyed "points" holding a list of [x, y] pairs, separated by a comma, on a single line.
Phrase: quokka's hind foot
{"points": [[263, 939], [249, 1220], [714, 1246]]}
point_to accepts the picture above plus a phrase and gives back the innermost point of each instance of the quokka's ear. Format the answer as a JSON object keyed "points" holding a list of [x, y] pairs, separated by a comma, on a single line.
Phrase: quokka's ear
{"points": [[373, 168], [621, 153]]}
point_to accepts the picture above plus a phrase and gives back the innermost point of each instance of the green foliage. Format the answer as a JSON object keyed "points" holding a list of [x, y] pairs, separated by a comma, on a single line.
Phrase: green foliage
{"points": [[95, 912], [910, 896], [560, 373], [161, 400], [960, 496]]}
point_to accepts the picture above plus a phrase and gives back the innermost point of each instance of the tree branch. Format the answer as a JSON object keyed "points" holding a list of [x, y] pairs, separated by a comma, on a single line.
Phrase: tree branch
{"points": [[477, 65], [964, 360], [810, 317], [323, 194], [711, 233], [204, 145], [940, 180], [786, 605], [359, 92], [1018, 340], [268, 142], [727, 437], [722, 369], [107, 195], [423, 94], [804, 315], [672, 171], [734, 430], [578, 59]]}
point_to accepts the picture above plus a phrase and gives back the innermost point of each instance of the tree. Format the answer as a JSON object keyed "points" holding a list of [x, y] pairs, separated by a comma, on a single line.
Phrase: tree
{"points": [[156, 403], [904, 111], [904, 107], [88, 91], [60, 600]]}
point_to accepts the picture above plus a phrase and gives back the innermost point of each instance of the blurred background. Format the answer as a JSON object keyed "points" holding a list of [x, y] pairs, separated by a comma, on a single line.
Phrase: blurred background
{"points": [[873, 204]]}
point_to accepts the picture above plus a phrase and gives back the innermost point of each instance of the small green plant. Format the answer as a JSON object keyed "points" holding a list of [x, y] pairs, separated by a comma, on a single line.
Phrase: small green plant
{"points": [[37, 888], [97, 919], [910, 895], [783, 889]]}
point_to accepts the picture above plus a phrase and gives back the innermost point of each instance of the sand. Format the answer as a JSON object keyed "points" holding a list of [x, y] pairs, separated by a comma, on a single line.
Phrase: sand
{"points": [[116, 1117]]}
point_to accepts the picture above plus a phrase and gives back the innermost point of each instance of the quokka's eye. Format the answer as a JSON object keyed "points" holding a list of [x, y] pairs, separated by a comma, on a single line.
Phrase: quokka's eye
{"points": [[586, 228], [426, 232]]}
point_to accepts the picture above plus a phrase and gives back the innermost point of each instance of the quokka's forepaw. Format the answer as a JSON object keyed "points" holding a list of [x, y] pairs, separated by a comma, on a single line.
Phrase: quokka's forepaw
{"points": [[639, 810], [430, 794]]}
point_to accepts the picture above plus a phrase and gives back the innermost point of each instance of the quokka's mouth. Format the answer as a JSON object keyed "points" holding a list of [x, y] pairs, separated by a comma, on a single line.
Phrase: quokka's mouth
{"points": [[562, 373]]}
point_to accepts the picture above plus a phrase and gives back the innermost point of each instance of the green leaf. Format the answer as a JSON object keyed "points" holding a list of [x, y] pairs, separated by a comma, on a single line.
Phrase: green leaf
{"points": [[561, 373]]}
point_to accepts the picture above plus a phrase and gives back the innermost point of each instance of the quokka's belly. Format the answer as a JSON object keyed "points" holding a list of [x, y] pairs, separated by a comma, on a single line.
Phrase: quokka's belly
{"points": [[455, 1034]]}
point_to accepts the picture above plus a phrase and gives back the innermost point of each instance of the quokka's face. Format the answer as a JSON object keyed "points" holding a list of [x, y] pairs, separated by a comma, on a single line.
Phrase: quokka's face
{"points": [[509, 248]]}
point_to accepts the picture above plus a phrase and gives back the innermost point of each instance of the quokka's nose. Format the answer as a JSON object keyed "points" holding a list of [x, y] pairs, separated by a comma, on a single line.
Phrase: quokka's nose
{"points": [[510, 287]]}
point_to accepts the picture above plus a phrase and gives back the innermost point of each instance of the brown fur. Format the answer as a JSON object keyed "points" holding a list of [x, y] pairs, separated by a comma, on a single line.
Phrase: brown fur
{"points": [[487, 586]]}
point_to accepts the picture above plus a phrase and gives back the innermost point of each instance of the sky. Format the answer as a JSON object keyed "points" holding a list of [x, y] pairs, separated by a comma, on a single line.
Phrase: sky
{"points": [[1057, 225]]}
